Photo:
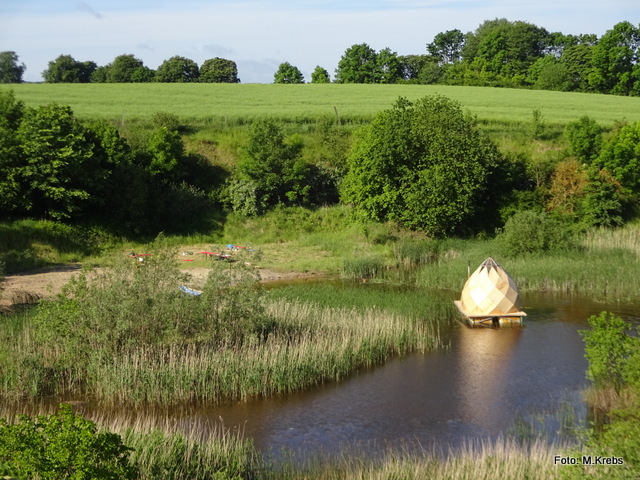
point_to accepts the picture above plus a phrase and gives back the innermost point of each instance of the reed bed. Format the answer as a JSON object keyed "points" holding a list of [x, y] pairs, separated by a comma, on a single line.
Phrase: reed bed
{"points": [[599, 269], [485, 460], [311, 346], [625, 239], [315, 346]]}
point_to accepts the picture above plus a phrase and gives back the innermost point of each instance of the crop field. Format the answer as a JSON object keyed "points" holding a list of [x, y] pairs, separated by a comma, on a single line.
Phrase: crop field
{"points": [[241, 103]]}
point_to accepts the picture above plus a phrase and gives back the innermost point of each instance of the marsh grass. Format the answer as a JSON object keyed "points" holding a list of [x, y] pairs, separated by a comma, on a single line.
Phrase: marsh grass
{"points": [[315, 346], [601, 269], [504, 459], [128, 337], [608, 241]]}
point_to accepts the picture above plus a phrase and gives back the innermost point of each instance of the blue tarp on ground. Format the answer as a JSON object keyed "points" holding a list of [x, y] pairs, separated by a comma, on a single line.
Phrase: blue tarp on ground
{"points": [[188, 291]]}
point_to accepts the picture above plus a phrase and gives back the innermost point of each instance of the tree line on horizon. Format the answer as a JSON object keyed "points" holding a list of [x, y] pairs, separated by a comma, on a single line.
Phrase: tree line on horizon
{"points": [[499, 53]]}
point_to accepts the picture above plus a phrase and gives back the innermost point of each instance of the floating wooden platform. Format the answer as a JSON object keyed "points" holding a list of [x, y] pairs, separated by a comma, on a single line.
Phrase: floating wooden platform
{"points": [[515, 318]]}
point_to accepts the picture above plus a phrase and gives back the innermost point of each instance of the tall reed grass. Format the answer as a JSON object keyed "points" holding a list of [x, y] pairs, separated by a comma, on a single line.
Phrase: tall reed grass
{"points": [[312, 345], [605, 268], [485, 460], [316, 345]]}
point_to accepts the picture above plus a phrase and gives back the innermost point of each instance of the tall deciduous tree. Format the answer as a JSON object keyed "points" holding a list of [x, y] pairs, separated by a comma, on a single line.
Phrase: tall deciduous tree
{"points": [[358, 64], [10, 70], [125, 69], [503, 51], [178, 70], [447, 46], [272, 170], [66, 69], [58, 167], [288, 73], [615, 61], [388, 67], [320, 75], [219, 70], [425, 165]]}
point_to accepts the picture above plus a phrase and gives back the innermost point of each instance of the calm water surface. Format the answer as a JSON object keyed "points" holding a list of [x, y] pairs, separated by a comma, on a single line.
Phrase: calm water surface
{"points": [[486, 383]]}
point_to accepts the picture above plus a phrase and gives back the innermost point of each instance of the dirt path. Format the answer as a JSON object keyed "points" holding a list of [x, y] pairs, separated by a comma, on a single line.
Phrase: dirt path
{"points": [[27, 287]]}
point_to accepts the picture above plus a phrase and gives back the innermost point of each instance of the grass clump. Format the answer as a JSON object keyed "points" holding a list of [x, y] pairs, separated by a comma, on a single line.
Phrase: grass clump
{"points": [[506, 459], [29, 244]]}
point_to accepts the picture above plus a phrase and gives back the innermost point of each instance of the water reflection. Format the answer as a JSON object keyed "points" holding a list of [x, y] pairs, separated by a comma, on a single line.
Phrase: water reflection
{"points": [[484, 356], [478, 388]]}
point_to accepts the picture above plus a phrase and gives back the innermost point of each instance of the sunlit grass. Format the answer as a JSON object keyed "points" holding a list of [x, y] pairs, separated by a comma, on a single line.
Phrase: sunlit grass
{"points": [[232, 104]]}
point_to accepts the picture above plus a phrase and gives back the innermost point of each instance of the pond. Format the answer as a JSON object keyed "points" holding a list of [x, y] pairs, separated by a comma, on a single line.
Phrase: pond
{"points": [[488, 382]]}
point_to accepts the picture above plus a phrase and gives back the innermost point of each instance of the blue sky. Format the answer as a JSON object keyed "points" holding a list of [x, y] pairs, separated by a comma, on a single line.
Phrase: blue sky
{"points": [[260, 34]]}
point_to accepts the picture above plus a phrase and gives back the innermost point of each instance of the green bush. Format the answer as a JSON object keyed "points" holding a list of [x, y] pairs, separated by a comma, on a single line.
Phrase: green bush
{"points": [[608, 349], [529, 231], [62, 446]]}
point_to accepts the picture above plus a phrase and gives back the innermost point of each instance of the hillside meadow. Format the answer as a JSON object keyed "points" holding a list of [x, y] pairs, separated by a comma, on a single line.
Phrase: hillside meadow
{"points": [[240, 103], [326, 240]]}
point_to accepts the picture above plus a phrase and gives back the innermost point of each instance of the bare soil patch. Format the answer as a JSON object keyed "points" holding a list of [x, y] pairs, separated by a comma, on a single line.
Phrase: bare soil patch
{"points": [[28, 287]]}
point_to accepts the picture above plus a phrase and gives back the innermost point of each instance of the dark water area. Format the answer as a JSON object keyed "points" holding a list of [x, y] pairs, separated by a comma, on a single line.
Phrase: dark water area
{"points": [[488, 382]]}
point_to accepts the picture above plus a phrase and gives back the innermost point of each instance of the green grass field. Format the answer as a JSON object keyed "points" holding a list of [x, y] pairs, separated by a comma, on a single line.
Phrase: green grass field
{"points": [[240, 103]]}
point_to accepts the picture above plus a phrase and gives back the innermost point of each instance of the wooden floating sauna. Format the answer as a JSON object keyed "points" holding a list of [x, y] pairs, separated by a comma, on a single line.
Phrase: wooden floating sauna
{"points": [[490, 297]]}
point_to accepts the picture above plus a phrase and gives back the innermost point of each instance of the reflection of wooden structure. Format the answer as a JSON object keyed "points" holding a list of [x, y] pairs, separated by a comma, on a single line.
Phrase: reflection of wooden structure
{"points": [[490, 296]]}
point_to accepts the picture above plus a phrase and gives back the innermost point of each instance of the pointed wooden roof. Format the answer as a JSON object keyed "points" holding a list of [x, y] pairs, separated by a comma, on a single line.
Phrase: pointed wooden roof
{"points": [[490, 291]]}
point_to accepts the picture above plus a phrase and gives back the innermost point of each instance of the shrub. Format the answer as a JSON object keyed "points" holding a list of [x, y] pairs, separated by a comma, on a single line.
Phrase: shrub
{"points": [[529, 231], [608, 348], [62, 446]]}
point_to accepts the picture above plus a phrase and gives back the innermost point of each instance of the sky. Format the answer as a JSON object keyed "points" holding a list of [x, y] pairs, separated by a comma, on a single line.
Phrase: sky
{"points": [[259, 35]]}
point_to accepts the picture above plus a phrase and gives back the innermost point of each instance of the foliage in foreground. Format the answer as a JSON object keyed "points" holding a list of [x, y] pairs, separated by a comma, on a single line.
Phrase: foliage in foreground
{"points": [[613, 352], [63, 446]]}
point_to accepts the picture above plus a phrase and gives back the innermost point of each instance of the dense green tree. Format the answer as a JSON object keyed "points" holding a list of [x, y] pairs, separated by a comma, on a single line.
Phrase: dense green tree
{"points": [[219, 70], [66, 69], [577, 61], [10, 70], [177, 69], [388, 67], [124, 69], [11, 112], [288, 73], [608, 348], [447, 46], [620, 156], [166, 150], [413, 64], [272, 170], [585, 139], [615, 61], [425, 165], [58, 167], [502, 51], [143, 74], [358, 64], [320, 75], [548, 73], [100, 74]]}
